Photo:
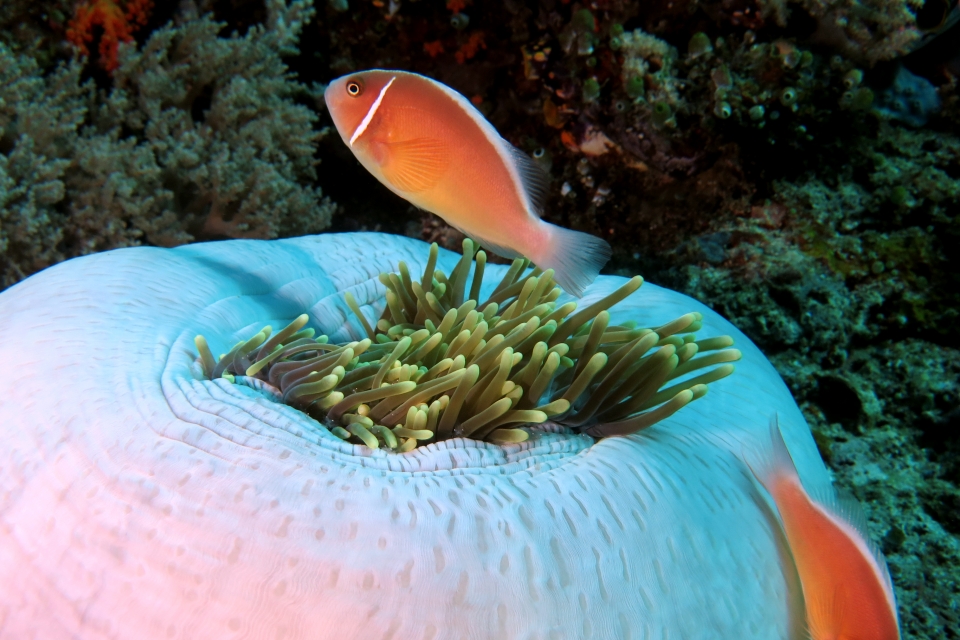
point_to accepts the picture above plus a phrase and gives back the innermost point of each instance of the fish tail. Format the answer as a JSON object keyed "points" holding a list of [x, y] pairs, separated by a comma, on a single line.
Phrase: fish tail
{"points": [[575, 257]]}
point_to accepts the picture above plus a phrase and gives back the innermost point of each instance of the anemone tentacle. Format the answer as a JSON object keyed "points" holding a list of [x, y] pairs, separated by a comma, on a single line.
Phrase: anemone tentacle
{"points": [[399, 379]]}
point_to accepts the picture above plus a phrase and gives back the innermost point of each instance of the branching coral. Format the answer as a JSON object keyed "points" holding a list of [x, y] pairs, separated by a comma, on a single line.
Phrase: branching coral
{"points": [[222, 146], [201, 137], [39, 119], [35, 27], [440, 364]]}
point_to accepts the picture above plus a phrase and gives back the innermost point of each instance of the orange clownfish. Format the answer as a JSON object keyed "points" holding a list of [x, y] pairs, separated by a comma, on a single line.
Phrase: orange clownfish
{"points": [[847, 590], [430, 146]]}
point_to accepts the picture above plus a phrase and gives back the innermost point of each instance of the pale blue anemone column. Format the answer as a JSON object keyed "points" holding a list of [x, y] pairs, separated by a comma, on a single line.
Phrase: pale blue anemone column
{"points": [[140, 500]]}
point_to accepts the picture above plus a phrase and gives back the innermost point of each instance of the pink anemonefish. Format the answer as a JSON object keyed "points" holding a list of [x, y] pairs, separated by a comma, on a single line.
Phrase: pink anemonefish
{"points": [[430, 146], [847, 590]]}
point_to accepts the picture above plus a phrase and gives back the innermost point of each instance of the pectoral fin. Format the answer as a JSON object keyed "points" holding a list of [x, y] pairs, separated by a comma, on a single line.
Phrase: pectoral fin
{"points": [[416, 165]]}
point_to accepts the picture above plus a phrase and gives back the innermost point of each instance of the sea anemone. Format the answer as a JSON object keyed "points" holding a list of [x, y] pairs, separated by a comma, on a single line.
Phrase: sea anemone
{"points": [[141, 499], [440, 364]]}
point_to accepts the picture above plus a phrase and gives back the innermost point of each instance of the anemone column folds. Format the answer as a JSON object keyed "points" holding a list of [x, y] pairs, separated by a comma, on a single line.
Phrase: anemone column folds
{"points": [[139, 499]]}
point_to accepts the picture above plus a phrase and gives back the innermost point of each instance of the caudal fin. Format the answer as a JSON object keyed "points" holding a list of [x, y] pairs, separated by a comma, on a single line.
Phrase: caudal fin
{"points": [[575, 257]]}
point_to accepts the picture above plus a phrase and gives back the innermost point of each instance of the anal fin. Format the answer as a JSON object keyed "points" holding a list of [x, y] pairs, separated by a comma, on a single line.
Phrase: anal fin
{"points": [[500, 250], [503, 252]]}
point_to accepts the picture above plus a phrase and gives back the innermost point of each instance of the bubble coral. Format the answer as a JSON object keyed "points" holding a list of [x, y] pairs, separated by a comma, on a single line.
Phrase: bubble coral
{"points": [[141, 499], [591, 90], [646, 55]]}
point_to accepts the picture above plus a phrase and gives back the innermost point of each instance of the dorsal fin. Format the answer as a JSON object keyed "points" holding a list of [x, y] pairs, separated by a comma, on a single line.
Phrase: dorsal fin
{"points": [[767, 465], [846, 508], [841, 506], [534, 179]]}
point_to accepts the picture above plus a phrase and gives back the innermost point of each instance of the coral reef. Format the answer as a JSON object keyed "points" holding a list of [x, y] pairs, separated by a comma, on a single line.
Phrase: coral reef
{"points": [[861, 335], [116, 23], [865, 31], [39, 122], [229, 151], [909, 98], [200, 137], [37, 28]]}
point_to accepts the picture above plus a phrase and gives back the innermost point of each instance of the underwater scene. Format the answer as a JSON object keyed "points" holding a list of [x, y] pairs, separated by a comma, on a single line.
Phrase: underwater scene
{"points": [[442, 319]]}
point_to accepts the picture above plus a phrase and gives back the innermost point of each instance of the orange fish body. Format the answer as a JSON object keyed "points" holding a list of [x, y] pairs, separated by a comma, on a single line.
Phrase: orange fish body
{"points": [[846, 587], [430, 146]]}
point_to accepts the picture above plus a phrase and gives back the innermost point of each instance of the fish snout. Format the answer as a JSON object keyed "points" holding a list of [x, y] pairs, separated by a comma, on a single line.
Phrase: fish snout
{"points": [[333, 97]]}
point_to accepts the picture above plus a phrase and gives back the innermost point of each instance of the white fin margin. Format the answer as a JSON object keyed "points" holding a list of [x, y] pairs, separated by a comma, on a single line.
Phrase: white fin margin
{"points": [[844, 511], [527, 189]]}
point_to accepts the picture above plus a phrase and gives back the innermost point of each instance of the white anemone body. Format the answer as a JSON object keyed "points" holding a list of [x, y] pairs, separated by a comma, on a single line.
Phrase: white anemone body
{"points": [[139, 500]]}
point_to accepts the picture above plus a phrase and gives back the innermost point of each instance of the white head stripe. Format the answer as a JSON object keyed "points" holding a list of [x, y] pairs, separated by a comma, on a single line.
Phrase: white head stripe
{"points": [[373, 110]]}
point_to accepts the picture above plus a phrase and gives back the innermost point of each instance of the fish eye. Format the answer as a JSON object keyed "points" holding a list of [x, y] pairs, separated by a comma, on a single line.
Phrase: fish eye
{"points": [[538, 153], [354, 88]]}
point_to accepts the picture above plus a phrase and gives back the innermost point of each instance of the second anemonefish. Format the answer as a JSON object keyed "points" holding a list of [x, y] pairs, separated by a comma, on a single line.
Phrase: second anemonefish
{"points": [[847, 590], [430, 146]]}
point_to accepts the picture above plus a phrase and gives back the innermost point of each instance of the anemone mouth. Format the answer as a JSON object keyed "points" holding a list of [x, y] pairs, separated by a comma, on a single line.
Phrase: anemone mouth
{"points": [[439, 364]]}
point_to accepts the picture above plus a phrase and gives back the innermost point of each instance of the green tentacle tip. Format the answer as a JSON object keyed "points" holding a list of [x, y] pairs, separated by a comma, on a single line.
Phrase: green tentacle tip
{"points": [[441, 363], [206, 357], [341, 433]]}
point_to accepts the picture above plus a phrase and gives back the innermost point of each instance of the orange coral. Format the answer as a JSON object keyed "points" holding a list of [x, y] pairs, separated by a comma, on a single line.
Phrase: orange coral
{"points": [[470, 48], [433, 49], [118, 25]]}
